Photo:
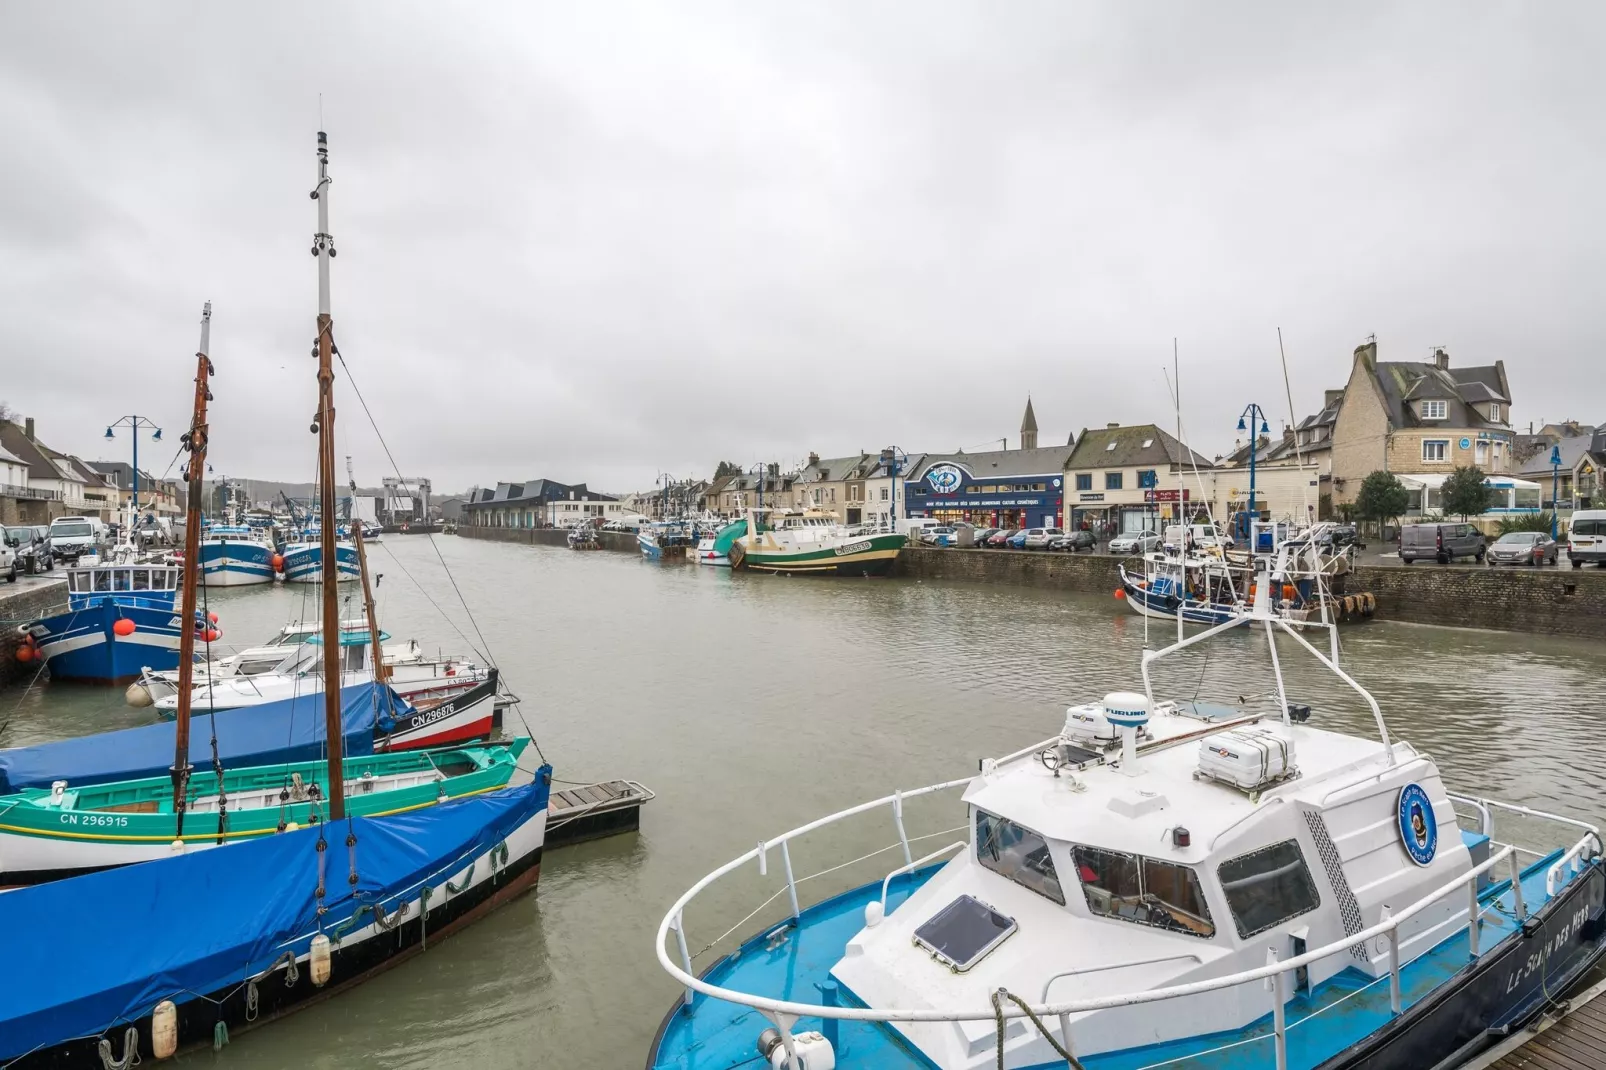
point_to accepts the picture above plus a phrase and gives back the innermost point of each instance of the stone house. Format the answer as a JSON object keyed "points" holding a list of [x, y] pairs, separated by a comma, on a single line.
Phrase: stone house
{"points": [[1129, 477], [159, 496], [48, 489], [836, 485], [773, 489], [1419, 418]]}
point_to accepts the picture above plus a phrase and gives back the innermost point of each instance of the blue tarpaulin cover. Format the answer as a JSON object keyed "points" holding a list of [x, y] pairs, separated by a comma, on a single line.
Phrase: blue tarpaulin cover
{"points": [[290, 730], [107, 947]]}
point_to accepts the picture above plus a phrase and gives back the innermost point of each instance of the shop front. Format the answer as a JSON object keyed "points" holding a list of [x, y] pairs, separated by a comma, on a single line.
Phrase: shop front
{"points": [[1093, 510], [953, 491]]}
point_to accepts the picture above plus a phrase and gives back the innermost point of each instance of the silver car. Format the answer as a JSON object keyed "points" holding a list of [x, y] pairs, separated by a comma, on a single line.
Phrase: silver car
{"points": [[1523, 548], [1135, 542]]}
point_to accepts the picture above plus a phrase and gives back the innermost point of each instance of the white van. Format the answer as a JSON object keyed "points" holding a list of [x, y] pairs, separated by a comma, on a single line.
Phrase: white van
{"points": [[1586, 537], [71, 537], [1203, 537]]}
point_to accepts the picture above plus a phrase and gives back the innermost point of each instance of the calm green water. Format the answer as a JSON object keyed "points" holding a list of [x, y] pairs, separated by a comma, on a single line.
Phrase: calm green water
{"points": [[753, 704]]}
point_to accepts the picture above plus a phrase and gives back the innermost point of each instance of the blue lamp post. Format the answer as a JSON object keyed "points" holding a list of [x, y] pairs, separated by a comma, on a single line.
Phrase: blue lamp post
{"points": [[889, 458], [137, 423], [1246, 421], [1555, 488]]}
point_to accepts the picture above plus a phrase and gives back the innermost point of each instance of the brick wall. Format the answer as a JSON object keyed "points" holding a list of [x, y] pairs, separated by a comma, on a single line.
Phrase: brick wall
{"points": [[1538, 600], [20, 604]]}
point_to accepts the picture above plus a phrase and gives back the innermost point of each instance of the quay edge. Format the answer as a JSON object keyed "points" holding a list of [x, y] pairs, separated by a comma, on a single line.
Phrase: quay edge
{"points": [[1539, 601]]}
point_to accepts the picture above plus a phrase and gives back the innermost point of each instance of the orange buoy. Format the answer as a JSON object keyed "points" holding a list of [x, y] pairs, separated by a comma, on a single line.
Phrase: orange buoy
{"points": [[123, 626], [25, 653], [211, 635], [1252, 588], [212, 617], [1290, 592], [1119, 593], [277, 562]]}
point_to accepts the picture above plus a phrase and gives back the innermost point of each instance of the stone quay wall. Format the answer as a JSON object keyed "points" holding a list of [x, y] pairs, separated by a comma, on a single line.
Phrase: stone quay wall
{"points": [[1544, 601], [19, 604]]}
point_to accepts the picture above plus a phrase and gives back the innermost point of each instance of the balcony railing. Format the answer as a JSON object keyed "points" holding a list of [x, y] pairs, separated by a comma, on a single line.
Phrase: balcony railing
{"points": [[12, 490]]}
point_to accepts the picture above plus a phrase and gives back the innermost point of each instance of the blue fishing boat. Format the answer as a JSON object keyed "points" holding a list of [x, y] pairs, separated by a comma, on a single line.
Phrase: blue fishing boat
{"points": [[303, 558], [236, 555], [1162, 883], [1166, 593], [182, 952], [120, 619]]}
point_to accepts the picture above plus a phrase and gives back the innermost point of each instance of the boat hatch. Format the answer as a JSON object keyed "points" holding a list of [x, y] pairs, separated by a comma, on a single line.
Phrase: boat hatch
{"points": [[962, 933]]}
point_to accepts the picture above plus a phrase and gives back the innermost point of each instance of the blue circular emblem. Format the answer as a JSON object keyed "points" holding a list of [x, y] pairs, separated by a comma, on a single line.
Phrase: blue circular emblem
{"points": [[945, 478], [1466, 443], [1419, 832], [1057, 482]]}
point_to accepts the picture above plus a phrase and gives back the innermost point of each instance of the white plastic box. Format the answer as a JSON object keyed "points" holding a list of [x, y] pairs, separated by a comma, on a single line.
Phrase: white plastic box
{"points": [[1247, 757]]}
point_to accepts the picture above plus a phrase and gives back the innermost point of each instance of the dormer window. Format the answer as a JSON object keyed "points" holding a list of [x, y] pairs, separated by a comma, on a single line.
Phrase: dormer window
{"points": [[1494, 411], [1435, 410]]}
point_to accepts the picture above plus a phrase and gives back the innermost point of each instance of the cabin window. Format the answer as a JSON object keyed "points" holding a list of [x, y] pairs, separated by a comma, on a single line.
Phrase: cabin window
{"points": [[1267, 887], [1018, 853], [1145, 890], [142, 579], [121, 581], [103, 580]]}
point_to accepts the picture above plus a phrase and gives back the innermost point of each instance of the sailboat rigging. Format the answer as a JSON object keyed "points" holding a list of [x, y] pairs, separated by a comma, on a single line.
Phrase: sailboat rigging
{"points": [[195, 441]]}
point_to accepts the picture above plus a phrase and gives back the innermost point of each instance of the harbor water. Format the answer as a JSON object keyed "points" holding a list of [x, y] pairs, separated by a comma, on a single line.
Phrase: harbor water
{"points": [[752, 704]]}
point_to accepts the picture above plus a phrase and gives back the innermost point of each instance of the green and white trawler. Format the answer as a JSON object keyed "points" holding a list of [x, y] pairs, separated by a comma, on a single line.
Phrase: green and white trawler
{"points": [[1161, 884], [811, 542]]}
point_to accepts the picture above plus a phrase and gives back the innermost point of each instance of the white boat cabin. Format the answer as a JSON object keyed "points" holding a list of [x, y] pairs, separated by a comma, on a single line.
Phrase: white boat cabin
{"points": [[122, 579], [1210, 843]]}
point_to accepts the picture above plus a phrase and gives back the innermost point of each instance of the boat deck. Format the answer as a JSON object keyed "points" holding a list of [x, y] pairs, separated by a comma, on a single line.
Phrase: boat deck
{"points": [[1573, 1038], [592, 811], [791, 959]]}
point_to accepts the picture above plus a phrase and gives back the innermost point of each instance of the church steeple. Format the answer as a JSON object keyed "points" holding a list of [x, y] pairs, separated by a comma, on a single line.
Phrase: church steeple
{"points": [[1028, 427]]}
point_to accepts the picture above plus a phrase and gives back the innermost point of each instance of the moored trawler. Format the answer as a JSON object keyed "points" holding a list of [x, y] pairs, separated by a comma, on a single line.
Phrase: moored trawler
{"points": [[811, 542], [1162, 884]]}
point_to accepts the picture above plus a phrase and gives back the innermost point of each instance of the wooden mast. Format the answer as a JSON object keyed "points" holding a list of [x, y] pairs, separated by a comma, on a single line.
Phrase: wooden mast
{"points": [[381, 670], [195, 442], [323, 248]]}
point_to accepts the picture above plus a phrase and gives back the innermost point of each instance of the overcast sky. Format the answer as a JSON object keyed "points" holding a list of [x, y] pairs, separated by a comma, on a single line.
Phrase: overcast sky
{"points": [[598, 241]]}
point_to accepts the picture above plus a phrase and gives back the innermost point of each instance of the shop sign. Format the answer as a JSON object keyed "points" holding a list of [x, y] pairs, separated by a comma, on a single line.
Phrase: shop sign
{"points": [[1086, 496], [945, 478], [989, 503], [1166, 495]]}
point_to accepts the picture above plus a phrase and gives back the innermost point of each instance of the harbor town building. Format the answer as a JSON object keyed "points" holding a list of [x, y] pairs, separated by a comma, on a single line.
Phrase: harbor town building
{"points": [[1127, 479]]}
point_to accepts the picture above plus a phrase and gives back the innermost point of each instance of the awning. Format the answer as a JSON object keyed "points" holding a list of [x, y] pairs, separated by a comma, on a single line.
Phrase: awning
{"points": [[1435, 480]]}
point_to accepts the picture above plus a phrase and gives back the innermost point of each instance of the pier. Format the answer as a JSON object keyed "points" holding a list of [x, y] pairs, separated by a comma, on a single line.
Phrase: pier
{"points": [[592, 811], [1572, 1037]]}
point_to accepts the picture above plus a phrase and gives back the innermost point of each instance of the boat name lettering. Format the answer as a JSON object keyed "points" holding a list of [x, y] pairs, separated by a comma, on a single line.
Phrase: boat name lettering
{"points": [[1536, 960], [96, 820], [444, 710], [853, 547]]}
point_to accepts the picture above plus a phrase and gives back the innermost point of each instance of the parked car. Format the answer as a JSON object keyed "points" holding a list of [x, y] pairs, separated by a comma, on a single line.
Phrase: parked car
{"points": [[1198, 537], [983, 534], [1523, 548], [1001, 537], [1073, 541], [1135, 542], [1442, 542], [1586, 537], [8, 557], [942, 535], [32, 551], [1039, 538], [73, 536], [1339, 536], [1017, 541]]}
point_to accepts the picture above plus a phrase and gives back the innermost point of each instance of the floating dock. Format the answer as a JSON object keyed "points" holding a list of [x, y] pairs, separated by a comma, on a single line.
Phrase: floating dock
{"points": [[1570, 1037], [592, 811]]}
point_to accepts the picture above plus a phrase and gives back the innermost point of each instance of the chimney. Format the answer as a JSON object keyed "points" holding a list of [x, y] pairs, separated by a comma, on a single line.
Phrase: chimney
{"points": [[1441, 359], [1366, 352], [1332, 397], [27, 428], [1288, 434], [814, 458]]}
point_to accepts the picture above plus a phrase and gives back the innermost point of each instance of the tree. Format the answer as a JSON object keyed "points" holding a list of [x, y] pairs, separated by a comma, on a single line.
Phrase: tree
{"points": [[1465, 493], [1382, 497], [7, 413], [726, 468]]}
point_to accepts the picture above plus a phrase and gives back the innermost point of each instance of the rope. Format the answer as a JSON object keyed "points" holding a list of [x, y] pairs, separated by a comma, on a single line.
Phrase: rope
{"points": [[468, 878], [130, 1051], [998, 1016], [220, 1035]]}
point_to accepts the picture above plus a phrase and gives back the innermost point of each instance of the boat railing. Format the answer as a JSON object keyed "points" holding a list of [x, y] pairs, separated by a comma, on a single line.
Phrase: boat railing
{"points": [[785, 1013]]}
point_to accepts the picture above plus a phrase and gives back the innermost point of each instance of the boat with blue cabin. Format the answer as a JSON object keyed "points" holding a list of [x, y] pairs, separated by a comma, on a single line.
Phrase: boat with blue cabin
{"points": [[303, 558], [237, 555], [1161, 883], [120, 620]]}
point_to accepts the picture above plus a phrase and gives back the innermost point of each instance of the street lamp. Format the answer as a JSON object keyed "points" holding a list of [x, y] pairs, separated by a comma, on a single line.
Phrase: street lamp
{"points": [[889, 457], [1253, 414], [137, 423], [1555, 488]]}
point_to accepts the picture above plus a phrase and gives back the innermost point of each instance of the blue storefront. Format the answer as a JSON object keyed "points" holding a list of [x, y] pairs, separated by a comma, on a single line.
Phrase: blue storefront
{"points": [[990, 490]]}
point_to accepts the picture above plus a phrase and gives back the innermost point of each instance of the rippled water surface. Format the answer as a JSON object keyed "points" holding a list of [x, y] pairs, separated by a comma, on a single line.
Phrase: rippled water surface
{"points": [[753, 704]]}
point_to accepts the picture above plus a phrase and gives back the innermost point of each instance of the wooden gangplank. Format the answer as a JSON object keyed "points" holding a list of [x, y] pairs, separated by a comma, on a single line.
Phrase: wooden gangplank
{"points": [[1570, 1038]]}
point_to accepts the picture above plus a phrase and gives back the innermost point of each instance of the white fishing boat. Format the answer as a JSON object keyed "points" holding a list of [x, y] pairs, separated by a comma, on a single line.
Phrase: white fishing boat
{"points": [[810, 542], [1158, 884], [302, 560]]}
